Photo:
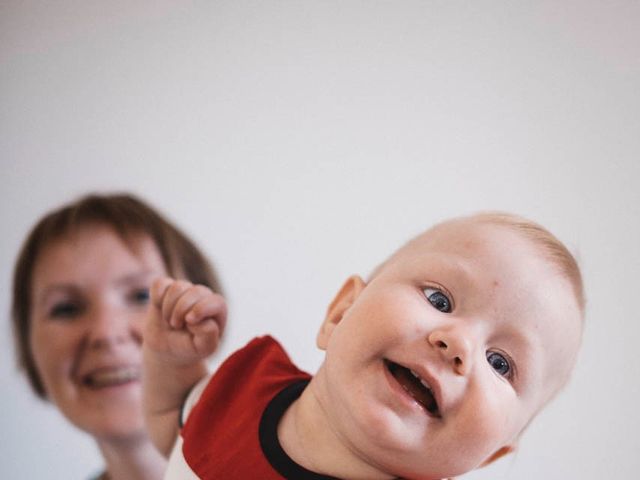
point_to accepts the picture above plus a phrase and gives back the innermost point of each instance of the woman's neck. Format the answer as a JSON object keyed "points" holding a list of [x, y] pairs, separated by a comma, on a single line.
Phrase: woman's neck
{"points": [[129, 459]]}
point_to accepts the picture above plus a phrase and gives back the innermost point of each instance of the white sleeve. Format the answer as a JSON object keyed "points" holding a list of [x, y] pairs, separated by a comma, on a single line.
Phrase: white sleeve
{"points": [[192, 399], [177, 468]]}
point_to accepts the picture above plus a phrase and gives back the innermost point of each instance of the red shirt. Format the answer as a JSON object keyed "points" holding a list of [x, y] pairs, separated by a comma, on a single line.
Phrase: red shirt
{"points": [[234, 422]]}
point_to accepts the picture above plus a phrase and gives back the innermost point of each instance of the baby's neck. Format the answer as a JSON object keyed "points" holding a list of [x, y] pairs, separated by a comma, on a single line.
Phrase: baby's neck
{"points": [[307, 436]]}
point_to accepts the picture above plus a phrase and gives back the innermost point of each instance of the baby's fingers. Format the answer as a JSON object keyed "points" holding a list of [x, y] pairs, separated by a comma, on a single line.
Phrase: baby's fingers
{"points": [[158, 289], [206, 336], [188, 300], [211, 306], [172, 295]]}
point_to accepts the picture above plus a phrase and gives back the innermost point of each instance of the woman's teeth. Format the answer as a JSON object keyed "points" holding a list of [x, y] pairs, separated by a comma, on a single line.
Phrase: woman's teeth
{"points": [[111, 376]]}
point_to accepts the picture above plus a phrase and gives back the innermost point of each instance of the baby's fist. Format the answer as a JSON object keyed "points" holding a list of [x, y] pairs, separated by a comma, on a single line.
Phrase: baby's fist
{"points": [[190, 318]]}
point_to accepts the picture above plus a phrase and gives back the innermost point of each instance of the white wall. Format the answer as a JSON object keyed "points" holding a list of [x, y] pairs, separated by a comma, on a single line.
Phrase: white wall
{"points": [[302, 141]]}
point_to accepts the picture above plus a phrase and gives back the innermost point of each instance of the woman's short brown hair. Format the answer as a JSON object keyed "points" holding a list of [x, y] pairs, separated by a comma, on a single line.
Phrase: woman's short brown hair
{"points": [[128, 216]]}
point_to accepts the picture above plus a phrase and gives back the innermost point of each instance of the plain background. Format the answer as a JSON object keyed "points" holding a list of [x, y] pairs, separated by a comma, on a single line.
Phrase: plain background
{"points": [[299, 142]]}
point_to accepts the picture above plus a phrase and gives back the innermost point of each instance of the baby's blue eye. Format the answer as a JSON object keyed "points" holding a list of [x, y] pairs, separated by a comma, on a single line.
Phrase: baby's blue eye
{"points": [[499, 363], [438, 299]]}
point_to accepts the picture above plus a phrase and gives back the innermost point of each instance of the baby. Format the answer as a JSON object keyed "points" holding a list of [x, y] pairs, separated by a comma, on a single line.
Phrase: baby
{"points": [[433, 367]]}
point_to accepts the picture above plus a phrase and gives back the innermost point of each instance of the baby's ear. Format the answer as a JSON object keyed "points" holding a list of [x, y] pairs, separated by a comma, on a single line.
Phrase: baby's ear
{"points": [[340, 304], [507, 449]]}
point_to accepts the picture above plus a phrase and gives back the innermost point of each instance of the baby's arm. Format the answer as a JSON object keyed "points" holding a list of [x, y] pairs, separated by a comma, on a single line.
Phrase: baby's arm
{"points": [[182, 329]]}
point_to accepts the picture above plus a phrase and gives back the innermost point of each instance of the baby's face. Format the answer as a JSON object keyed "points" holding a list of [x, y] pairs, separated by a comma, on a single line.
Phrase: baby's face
{"points": [[436, 365]]}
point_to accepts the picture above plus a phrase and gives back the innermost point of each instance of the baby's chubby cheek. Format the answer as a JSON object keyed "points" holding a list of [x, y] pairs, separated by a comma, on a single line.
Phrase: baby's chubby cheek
{"points": [[483, 427]]}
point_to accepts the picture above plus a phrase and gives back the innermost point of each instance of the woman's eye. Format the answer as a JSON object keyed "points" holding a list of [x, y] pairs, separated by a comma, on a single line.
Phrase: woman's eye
{"points": [[65, 310], [141, 296], [499, 363], [438, 299]]}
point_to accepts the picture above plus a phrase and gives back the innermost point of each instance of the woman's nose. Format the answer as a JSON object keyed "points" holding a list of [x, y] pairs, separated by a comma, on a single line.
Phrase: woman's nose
{"points": [[455, 345], [108, 326]]}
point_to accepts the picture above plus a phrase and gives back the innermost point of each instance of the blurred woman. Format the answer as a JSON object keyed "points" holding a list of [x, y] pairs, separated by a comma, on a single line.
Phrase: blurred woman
{"points": [[80, 293]]}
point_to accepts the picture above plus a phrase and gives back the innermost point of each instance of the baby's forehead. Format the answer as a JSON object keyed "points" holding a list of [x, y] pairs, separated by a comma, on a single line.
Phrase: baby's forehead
{"points": [[462, 237], [491, 234], [488, 260], [446, 240]]}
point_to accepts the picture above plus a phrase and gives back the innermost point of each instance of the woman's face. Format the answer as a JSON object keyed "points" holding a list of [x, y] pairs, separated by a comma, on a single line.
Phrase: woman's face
{"points": [[89, 299]]}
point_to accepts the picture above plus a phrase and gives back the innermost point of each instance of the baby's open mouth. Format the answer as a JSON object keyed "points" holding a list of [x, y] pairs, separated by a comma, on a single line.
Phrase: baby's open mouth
{"points": [[109, 377], [415, 386]]}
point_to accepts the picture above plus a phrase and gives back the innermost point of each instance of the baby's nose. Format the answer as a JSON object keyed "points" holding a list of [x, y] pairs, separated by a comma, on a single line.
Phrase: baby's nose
{"points": [[454, 346]]}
